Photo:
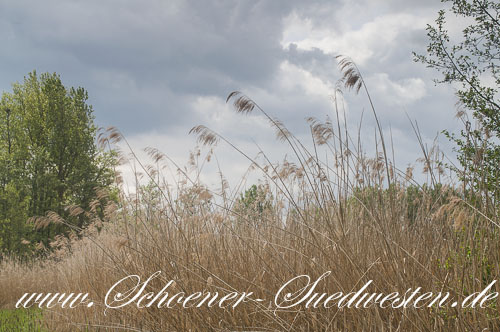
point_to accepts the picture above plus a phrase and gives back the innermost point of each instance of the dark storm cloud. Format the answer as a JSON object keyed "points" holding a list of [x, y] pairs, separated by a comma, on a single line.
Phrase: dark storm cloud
{"points": [[180, 47], [166, 66]]}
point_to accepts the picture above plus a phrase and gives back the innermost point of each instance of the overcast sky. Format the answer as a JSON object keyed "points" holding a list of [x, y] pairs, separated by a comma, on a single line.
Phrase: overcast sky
{"points": [[156, 68]]}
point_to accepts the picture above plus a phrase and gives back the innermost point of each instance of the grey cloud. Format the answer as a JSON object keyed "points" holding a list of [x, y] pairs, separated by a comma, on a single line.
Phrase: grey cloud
{"points": [[315, 61], [144, 62], [236, 39], [184, 47]]}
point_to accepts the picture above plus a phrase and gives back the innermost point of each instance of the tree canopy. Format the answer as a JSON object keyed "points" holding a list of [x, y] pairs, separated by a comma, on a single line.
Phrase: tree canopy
{"points": [[470, 59], [49, 159]]}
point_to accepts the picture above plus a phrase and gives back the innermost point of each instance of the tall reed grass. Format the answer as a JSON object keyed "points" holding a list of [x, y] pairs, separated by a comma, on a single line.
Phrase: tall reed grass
{"points": [[360, 218]]}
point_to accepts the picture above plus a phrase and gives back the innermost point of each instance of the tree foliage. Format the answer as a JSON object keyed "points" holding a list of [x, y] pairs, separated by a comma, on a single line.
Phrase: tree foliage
{"points": [[49, 160], [471, 61]]}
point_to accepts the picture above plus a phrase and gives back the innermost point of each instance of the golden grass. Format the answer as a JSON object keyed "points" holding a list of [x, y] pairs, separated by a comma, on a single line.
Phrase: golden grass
{"points": [[214, 249]]}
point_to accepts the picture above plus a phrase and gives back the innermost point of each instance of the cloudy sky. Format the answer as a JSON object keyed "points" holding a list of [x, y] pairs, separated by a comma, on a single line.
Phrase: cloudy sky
{"points": [[156, 68]]}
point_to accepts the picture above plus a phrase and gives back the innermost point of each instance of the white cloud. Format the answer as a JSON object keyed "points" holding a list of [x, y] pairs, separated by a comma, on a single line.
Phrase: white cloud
{"points": [[402, 92], [374, 38], [294, 78]]}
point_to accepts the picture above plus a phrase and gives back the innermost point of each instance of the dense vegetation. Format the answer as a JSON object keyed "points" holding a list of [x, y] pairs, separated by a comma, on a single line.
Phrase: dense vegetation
{"points": [[472, 62], [49, 161]]}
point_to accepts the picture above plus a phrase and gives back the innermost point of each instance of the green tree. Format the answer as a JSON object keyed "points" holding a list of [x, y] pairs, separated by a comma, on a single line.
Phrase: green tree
{"points": [[472, 61], [49, 158], [254, 202]]}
